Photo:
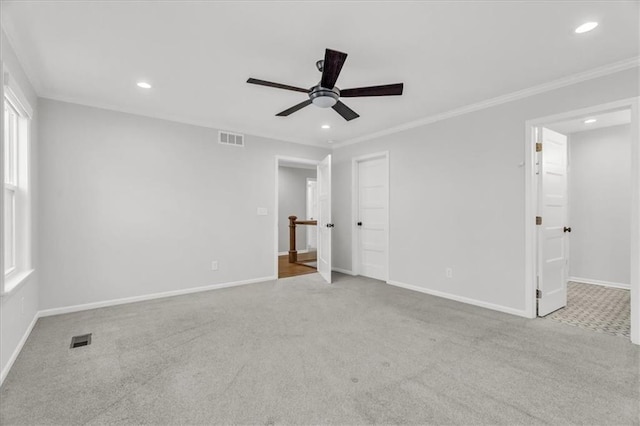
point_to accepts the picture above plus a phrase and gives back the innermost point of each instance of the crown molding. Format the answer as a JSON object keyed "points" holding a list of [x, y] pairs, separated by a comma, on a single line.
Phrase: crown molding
{"points": [[499, 100], [177, 119], [35, 82], [510, 97]]}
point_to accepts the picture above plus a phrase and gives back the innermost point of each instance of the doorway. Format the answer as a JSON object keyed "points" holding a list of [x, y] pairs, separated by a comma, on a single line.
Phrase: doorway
{"points": [[303, 195], [583, 200], [371, 216], [294, 183]]}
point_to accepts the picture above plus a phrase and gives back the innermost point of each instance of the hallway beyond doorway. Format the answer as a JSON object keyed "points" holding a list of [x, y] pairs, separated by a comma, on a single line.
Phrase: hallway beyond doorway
{"points": [[598, 308], [305, 265]]}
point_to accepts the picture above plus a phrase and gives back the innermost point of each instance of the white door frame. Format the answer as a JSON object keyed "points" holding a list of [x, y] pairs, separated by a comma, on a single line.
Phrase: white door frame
{"points": [[531, 204], [288, 160], [355, 255]]}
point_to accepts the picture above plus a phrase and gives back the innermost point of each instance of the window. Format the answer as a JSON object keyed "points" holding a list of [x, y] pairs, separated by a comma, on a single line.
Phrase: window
{"points": [[16, 198], [11, 130]]}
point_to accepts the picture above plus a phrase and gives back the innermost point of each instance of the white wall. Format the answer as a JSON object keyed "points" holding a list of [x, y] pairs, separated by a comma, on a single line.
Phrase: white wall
{"points": [[457, 195], [599, 204], [18, 309], [134, 206], [292, 200]]}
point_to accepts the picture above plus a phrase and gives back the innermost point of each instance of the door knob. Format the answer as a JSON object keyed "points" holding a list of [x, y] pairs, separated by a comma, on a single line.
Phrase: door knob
{"points": [[567, 229], [359, 224]]}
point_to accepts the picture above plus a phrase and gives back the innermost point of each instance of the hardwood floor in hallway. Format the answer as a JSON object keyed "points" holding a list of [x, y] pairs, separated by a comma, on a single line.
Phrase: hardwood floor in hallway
{"points": [[286, 269]]}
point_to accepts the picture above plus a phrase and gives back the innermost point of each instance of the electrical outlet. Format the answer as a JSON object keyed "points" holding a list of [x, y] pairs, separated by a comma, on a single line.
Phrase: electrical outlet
{"points": [[262, 211], [449, 272], [214, 265]]}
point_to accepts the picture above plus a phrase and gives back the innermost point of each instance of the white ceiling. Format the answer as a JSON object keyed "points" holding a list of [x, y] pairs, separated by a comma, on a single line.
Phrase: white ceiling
{"points": [[198, 56], [606, 119]]}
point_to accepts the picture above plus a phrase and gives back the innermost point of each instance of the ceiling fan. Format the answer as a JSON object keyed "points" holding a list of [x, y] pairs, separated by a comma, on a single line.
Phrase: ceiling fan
{"points": [[325, 94]]}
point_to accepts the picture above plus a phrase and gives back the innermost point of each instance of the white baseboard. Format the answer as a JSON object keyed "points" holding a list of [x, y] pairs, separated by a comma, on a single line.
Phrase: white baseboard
{"points": [[343, 271], [88, 306], [16, 352], [600, 282], [95, 305], [492, 306]]}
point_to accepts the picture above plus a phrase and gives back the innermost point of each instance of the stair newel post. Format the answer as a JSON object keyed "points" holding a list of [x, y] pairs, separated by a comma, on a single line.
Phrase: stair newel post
{"points": [[293, 253]]}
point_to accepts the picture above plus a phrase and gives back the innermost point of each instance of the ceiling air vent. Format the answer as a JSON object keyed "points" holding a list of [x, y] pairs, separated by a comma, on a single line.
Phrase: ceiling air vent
{"points": [[228, 138]]}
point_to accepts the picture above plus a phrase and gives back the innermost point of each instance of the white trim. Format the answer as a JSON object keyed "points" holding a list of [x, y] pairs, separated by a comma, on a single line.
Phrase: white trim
{"points": [[487, 305], [600, 282], [114, 302], [305, 161], [531, 204], [31, 77], [23, 225], [354, 209], [16, 352], [499, 100], [3, 77], [343, 271], [531, 91], [606, 107], [15, 95], [635, 222], [15, 279]]}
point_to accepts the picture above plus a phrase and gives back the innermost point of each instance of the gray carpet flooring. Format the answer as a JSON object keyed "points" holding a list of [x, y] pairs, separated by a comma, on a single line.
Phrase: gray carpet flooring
{"points": [[297, 351], [597, 308]]}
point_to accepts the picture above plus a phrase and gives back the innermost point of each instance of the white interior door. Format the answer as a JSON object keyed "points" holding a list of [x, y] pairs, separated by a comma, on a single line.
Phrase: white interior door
{"points": [[324, 218], [371, 226], [552, 207]]}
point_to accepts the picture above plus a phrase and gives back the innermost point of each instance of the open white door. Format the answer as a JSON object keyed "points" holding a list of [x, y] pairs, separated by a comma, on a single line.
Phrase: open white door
{"points": [[552, 237], [324, 218]]}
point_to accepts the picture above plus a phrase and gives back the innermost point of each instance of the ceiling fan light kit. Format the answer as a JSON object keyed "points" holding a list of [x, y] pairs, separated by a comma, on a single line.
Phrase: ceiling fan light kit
{"points": [[324, 98], [325, 94]]}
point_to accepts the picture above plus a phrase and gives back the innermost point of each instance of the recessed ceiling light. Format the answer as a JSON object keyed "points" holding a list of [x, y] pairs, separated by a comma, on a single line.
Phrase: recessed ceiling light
{"points": [[590, 121], [329, 141], [325, 126], [144, 85], [586, 27]]}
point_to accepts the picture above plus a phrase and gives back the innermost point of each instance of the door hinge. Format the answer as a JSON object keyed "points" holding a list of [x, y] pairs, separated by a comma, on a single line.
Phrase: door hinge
{"points": [[538, 146], [538, 294], [538, 220]]}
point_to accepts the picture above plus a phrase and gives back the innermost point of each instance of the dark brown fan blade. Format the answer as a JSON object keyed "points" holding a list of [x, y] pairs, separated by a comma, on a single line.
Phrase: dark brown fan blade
{"points": [[386, 90], [277, 85], [333, 62], [346, 112], [294, 108]]}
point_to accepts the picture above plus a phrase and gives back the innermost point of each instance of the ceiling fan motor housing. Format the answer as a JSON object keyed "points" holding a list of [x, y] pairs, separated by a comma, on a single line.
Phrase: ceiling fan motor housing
{"points": [[323, 97]]}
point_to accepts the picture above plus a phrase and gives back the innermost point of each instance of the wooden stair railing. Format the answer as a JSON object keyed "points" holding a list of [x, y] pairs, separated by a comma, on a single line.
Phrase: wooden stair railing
{"points": [[293, 222]]}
